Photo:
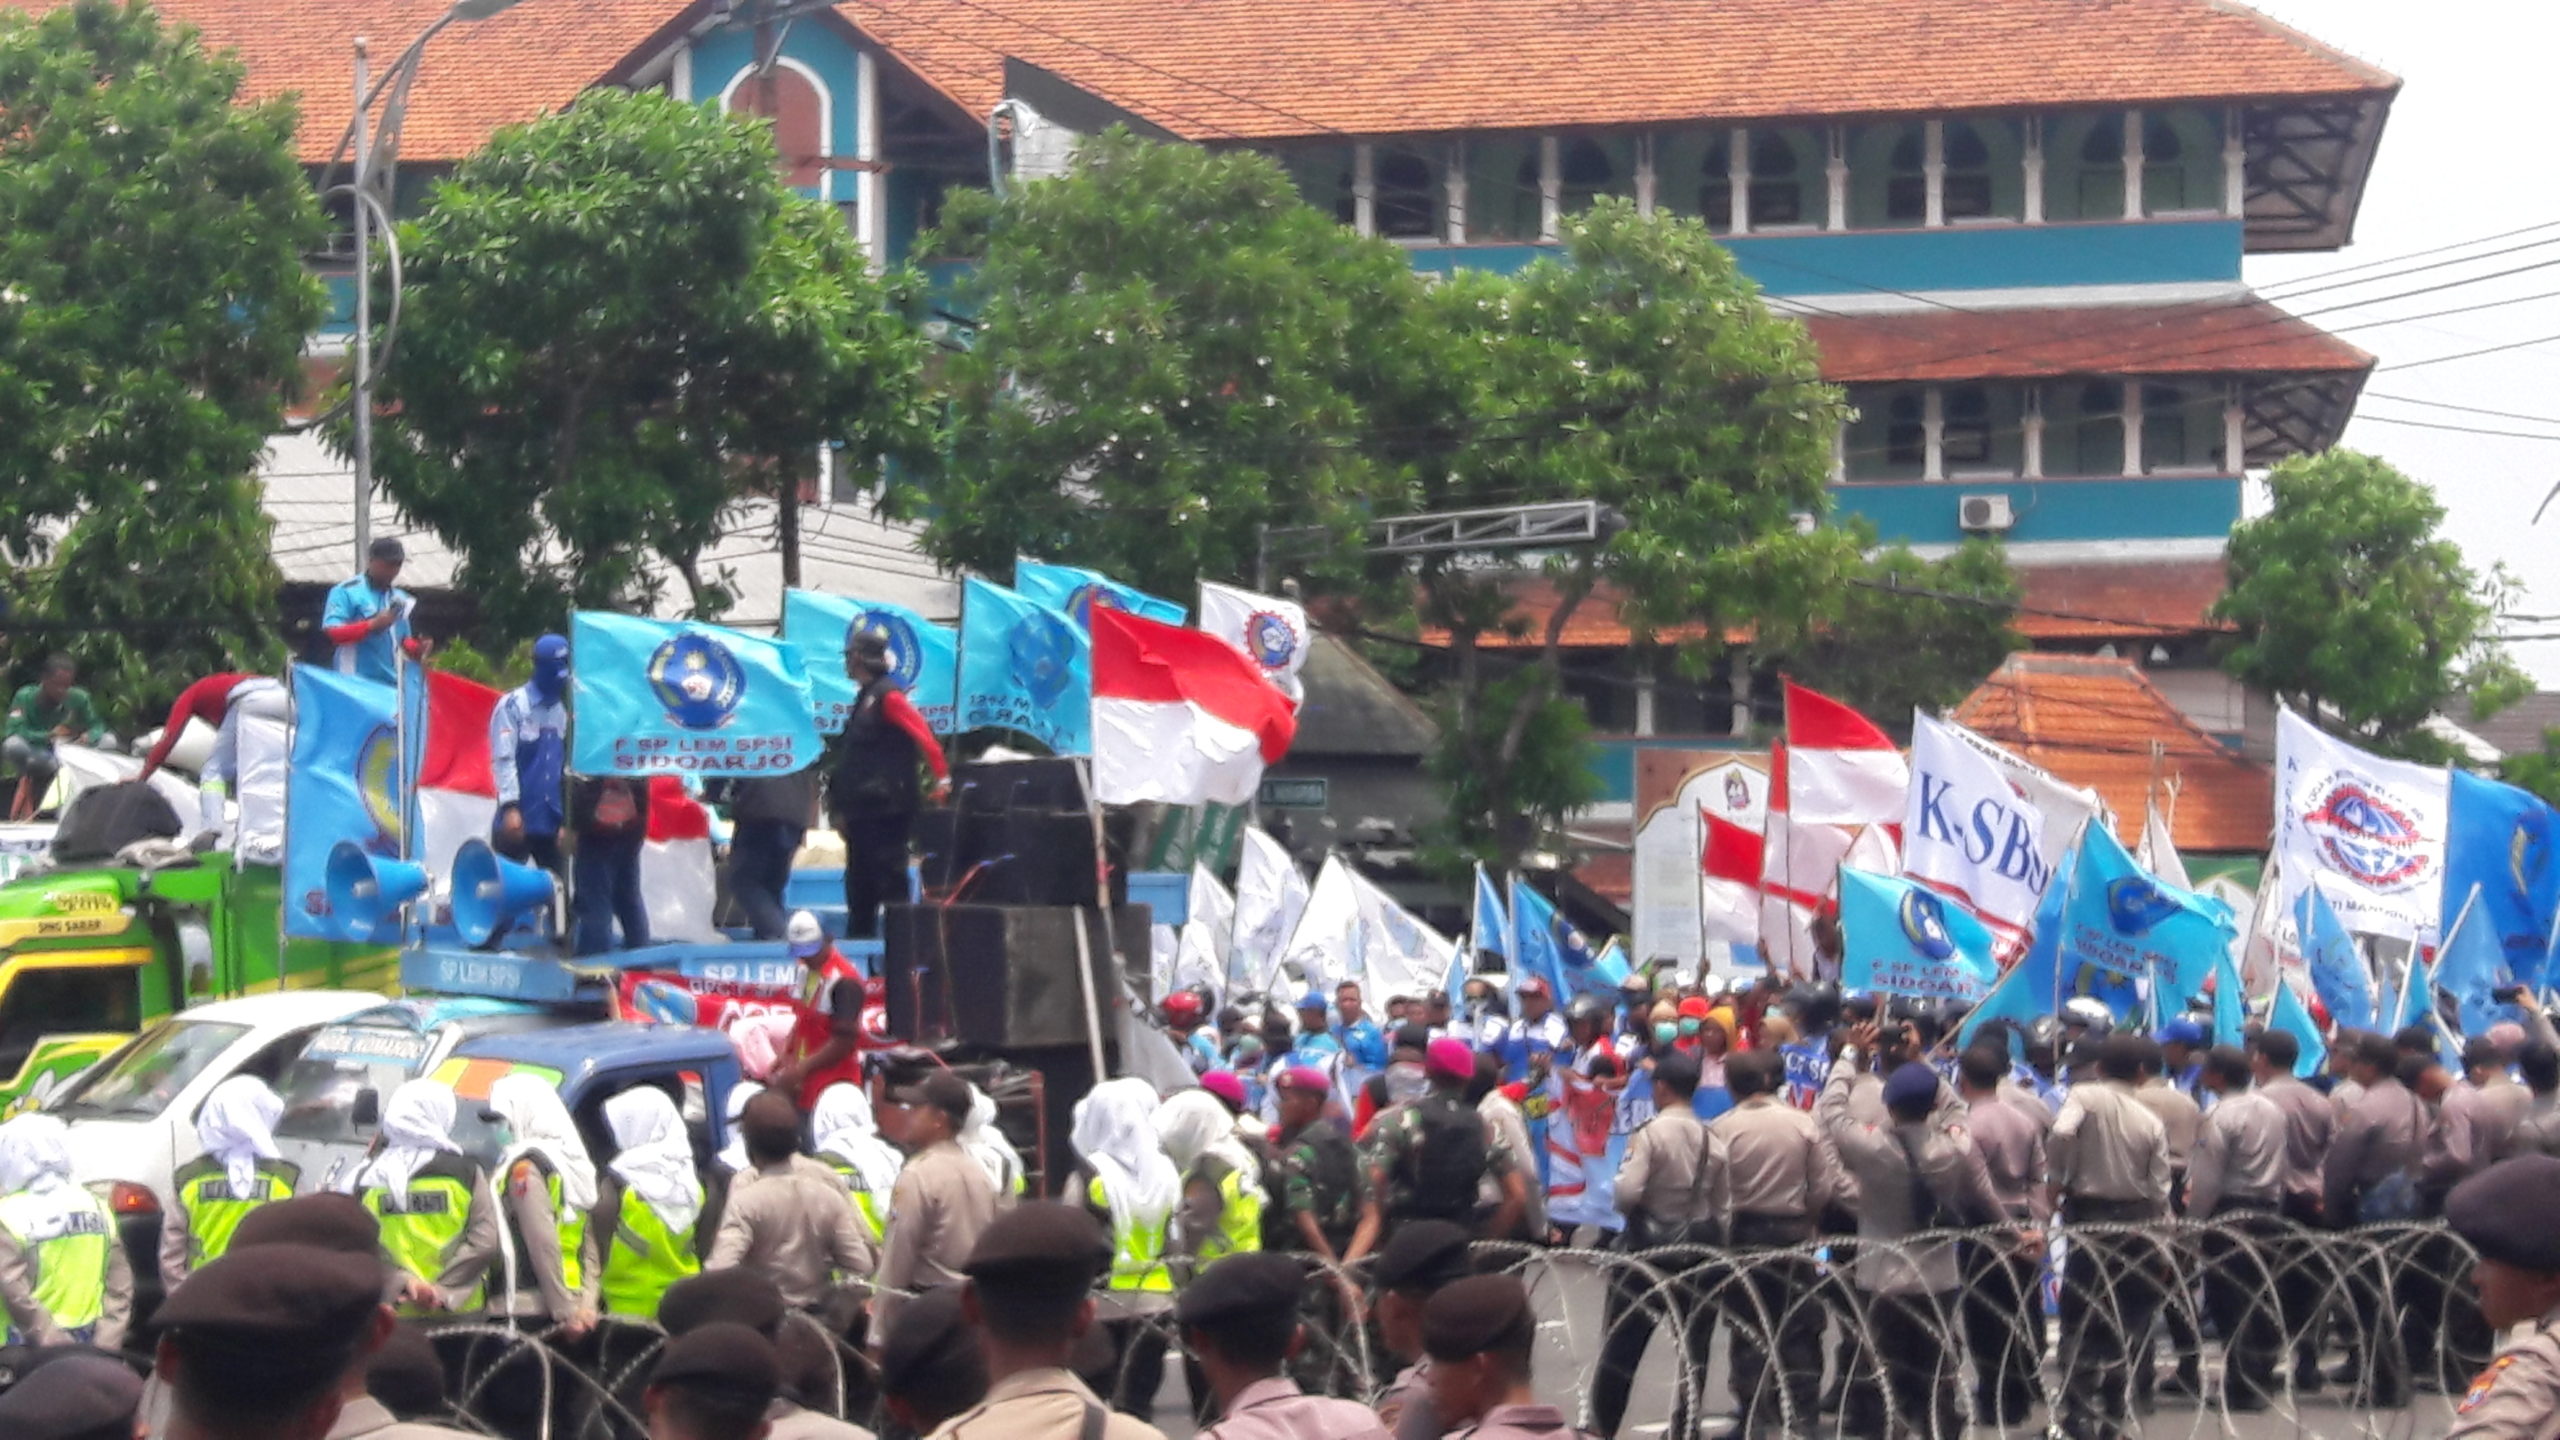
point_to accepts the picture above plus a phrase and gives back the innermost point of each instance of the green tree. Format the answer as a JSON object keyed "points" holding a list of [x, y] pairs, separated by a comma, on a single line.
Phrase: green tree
{"points": [[1906, 633], [1171, 351], [2351, 606], [620, 324], [153, 309], [2536, 770]]}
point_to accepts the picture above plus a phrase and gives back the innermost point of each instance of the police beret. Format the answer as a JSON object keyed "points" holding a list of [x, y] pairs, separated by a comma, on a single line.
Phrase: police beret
{"points": [[722, 1359], [277, 1298], [929, 1337], [326, 1219], [1251, 1285], [1478, 1314], [1303, 1077], [1422, 1255], [1041, 1248], [2504, 1211], [77, 1396], [1227, 1086], [735, 1295], [1911, 1085]]}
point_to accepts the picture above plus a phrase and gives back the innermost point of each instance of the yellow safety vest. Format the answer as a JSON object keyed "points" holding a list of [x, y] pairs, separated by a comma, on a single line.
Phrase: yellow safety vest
{"points": [[422, 1231], [568, 1222], [645, 1258], [66, 1243], [1239, 1219], [1137, 1252], [213, 1213], [874, 1209]]}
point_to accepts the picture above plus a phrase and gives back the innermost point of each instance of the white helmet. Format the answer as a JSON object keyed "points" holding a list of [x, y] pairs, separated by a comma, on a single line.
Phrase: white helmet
{"points": [[804, 934], [2089, 1011]]}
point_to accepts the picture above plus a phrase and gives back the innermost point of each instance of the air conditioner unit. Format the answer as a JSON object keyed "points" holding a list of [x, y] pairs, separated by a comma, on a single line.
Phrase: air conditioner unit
{"points": [[1984, 513]]}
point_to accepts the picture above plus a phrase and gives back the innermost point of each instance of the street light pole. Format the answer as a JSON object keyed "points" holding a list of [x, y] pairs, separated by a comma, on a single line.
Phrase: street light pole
{"points": [[363, 417]]}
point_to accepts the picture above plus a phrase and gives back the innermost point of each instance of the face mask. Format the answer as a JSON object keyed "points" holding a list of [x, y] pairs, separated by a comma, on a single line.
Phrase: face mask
{"points": [[1406, 1082], [1666, 1032], [1475, 1007], [1691, 1026]]}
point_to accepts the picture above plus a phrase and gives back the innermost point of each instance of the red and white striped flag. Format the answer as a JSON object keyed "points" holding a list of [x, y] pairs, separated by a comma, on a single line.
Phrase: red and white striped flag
{"points": [[1180, 716], [457, 792], [1841, 769], [1729, 880]]}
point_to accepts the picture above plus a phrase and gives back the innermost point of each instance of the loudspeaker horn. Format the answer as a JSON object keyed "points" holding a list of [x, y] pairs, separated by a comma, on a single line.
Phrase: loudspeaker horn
{"points": [[365, 889], [490, 893]]}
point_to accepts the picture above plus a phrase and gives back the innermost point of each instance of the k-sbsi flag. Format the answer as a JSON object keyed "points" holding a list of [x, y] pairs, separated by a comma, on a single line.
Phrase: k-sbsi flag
{"points": [[924, 658], [2472, 965], [1179, 716], [2119, 919], [1026, 667], [1271, 632], [2504, 844], [1902, 938], [1841, 769], [2373, 828], [2292, 1017], [674, 697], [1969, 833], [1078, 592], [345, 785]]}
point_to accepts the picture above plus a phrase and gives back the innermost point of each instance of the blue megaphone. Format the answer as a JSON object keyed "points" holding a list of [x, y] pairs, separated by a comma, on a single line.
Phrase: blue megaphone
{"points": [[365, 890], [491, 893]]}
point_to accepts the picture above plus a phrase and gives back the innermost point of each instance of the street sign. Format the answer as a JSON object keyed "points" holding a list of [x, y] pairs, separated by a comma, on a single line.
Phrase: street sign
{"points": [[1297, 792]]}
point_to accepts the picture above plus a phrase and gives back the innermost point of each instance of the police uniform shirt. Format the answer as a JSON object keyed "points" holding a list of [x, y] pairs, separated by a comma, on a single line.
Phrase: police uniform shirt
{"points": [[2518, 1396], [2538, 1133], [2470, 1132], [1673, 1172], [1777, 1164], [2181, 1119], [2508, 1102], [942, 1203], [1408, 1408], [1040, 1405], [2012, 1146], [1276, 1409], [2106, 1145], [2309, 1122], [786, 1420], [2239, 1154], [1518, 1422], [1881, 1158], [796, 1225], [365, 1418], [2384, 1133], [545, 1291], [1507, 1137]]}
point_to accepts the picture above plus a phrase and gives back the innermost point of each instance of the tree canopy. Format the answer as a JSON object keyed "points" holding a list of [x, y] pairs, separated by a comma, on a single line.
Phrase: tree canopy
{"points": [[2351, 605], [153, 311], [620, 324]]}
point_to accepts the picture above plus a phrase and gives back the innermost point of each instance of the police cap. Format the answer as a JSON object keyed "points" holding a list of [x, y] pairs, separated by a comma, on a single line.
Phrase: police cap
{"points": [[1040, 1248], [1242, 1287], [1478, 1314], [73, 1398], [722, 1360], [735, 1296], [937, 1089], [325, 1220], [2504, 1211], [1911, 1086], [929, 1337], [1422, 1255]]}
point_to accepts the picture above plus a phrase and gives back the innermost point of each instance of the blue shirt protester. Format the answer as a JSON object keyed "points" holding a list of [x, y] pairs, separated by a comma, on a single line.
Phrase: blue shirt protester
{"points": [[528, 756], [1364, 1042], [371, 655]]}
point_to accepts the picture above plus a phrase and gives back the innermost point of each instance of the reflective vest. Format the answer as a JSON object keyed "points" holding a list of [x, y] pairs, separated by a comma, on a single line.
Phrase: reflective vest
{"points": [[65, 1237], [645, 1258], [1239, 1219], [571, 1225], [1137, 1252], [421, 1232], [874, 1209], [813, 1024], [213, 1212]]}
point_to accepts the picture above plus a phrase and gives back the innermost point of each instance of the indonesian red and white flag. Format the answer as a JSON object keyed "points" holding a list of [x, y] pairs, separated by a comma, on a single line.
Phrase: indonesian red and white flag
{"points": [[457, 791], [1179, 716], [1841, 769], [1271, 632], [1728, 880]]}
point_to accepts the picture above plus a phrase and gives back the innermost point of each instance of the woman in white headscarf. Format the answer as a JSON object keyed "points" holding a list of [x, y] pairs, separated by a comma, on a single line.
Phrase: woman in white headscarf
{"points": [[980, 1137], [1125, 1179], [649, 1209], [1222, 1198], [849, 1140], [733, 1156], [550, 1190], [64, 1279], [439, 1222], [240, 1170]]}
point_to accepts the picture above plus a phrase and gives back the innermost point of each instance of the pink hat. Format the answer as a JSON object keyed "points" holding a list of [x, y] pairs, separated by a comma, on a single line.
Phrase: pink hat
{"points": [[1224, 1085], [1450, 1059], [1303, 1077]]}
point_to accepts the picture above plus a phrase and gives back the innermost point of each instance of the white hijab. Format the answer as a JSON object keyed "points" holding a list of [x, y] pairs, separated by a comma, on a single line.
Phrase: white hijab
{"points": [[1115, 1136], [652, 1155], [1195, 1123], [237, 1126], [733, 1156], [980, 1137], [417, 1125], [539, 1127], [35, 1155], [847, 1132]]}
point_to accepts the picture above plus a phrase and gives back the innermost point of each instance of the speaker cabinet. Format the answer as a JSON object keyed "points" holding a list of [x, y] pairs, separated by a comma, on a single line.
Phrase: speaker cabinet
{"points": [[1001, 975], [1016, 857]]}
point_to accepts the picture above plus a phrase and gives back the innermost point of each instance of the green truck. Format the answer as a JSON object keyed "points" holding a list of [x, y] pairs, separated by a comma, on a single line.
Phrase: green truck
{"points": [[89, 956]]}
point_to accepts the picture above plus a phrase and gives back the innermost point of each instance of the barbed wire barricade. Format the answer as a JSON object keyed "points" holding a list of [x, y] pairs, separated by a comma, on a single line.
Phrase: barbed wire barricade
{"points": [[2082, 1328]]}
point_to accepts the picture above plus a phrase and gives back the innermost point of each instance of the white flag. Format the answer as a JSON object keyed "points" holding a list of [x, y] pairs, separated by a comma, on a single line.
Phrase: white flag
{"points": [[1200, 955], [1270, 896], [2066, 807], [2370, 830], [1396, 953], [2158, 852], [1325, 947], [1970, 833], [1271, 632]]}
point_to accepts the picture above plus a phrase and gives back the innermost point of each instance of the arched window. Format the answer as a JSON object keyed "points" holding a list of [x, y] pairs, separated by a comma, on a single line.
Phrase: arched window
{"points": [[1968, 184], [1906, 195], [1777, 192], [1965, 437], [1715, 183], [798, 109], [1408, 199], [1587, 172]]}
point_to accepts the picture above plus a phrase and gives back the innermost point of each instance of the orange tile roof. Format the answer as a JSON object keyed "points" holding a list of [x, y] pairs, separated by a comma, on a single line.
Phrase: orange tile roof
{"points": [[2220, 337], [1271, 69], [2094, 722]]}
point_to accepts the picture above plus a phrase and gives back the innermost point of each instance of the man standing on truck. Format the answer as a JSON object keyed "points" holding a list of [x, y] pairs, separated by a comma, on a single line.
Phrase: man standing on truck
{"points": [[528, 755], [222, 701], [826, 1032], [51, 709], [367, 616], [872, 793]]}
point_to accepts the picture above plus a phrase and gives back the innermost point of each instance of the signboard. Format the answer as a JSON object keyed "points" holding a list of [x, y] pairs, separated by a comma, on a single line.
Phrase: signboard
{"points": [[1673, 787], [1294, 792]]}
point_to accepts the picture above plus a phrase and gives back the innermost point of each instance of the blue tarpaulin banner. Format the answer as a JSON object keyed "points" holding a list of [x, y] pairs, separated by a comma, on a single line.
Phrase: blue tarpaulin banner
{"points": [[1899, 937], [1026, 667], [671, 697], [344, 784], [924, 658]]}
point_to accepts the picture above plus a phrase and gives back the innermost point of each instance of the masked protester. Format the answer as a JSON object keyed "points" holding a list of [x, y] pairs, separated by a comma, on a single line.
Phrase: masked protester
{"points": [[528, 757]]}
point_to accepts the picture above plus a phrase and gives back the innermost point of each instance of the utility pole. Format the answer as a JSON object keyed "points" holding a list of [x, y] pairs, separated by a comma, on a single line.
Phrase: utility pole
{"points": [[363, 416]]}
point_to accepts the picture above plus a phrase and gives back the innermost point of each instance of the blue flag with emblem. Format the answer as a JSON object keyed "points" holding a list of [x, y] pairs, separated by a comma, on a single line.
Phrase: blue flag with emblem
{"points": [[1898, 937], [924, 658], [2503, 843], [2471, 965], [2118, 920], [2292, 1017], [1491, 927], [675, 697], [2339, 975], [344, 784], [1075, 591], [2032, 987], [1026, 667], [1545, 945]]}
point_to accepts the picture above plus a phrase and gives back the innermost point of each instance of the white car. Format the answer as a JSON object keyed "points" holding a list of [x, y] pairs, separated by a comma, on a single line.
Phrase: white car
{"points": [[133, 1114]]}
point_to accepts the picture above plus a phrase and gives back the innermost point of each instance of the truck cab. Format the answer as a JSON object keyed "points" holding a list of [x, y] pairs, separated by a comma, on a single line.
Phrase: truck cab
{"points": [[334, 1091], [590, 1064]]}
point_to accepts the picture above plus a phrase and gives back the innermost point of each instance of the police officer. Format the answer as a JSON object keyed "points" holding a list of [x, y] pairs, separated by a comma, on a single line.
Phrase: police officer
{"points": [[239, 1171], [943, 1200], [930, 1365], [2504, 1213], [550, 1196], [261, 1343], [743, 1297], [1479, 1333], [2003, 1310], [64, 1278], [715, 1383], [1674, 1190], [2309, 1120], [2237, 1181], [788, 1217], [1240, 1320], [77, 1397], [1029, 1295], [1222, 1195], [648, 1207], [1420, 1259], [1781, 1176], [2109, 1157], [438, 1223]]}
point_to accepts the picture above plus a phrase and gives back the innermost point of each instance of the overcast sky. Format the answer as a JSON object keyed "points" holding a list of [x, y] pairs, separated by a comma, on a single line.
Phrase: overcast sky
{"points": [[2467, 153]]}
